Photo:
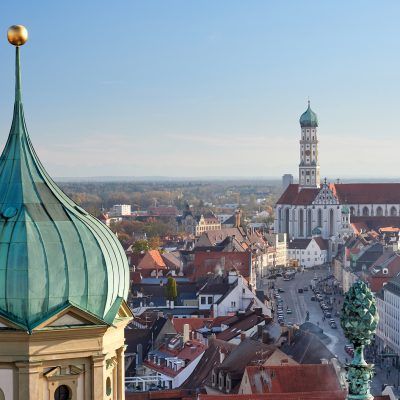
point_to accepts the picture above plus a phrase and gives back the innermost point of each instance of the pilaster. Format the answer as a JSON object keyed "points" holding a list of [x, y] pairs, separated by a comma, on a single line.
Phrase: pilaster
{"points": [[29, 380]]}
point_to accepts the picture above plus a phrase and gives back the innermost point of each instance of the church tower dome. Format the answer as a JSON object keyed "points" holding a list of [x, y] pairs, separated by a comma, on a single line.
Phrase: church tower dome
{"points": [[53, 254], [308, 119]]}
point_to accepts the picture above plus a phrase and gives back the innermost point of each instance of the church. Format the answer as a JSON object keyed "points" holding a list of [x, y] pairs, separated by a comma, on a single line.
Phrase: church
{"points": [[311, 208]]}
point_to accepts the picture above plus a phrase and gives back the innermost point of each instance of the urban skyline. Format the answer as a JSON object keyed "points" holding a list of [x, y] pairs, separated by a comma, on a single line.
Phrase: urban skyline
{"points": [[207, 90]]}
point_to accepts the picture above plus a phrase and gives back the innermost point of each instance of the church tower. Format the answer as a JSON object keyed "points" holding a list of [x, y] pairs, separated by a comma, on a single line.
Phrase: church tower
{"points": [[64, 281], [309, 165]]}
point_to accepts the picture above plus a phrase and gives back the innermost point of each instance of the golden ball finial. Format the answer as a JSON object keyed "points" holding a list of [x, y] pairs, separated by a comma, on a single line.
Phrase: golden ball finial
{"points": [[17, 35]]}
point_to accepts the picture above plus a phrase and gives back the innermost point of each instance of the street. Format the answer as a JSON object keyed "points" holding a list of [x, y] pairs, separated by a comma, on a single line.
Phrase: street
{"points": [[300, 303]]}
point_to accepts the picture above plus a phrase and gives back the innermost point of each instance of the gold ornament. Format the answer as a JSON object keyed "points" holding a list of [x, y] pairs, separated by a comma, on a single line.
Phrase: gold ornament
{"points": [[17, 35]]}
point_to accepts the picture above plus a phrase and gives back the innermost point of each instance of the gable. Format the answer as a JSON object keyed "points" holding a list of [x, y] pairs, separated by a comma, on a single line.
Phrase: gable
{"points": [[325, 196], [68, 320]]}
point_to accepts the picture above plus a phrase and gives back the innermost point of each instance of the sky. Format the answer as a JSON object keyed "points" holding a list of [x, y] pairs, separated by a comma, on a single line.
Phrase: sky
{"points": [[189, 88]]}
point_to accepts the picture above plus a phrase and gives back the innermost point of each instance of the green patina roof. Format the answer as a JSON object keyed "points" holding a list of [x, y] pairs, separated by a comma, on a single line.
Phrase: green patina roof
{"points": [[309, 119], [52, 252], [316, 231], [345, 210]]}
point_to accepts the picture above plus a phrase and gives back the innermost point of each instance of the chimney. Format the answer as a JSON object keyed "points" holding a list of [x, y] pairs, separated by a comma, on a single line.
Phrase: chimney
{"points": [[186, 333], [238, 215], [221, 355]]}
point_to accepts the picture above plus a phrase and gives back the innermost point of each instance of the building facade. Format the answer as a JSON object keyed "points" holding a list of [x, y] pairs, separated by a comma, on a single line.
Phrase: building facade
{"points": [[388, 305]]}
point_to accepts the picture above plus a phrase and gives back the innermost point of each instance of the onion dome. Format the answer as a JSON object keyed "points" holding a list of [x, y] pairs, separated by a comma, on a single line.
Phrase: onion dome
{"points": [[345, 210], [309, 119], [53, 254], [316, 231]]}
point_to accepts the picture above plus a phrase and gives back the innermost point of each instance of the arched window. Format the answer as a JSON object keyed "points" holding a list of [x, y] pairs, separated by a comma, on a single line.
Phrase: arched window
{"points": [[379, 211], [309, 221], [287, 219], [393, 211], [108, 386], [319, 218], [331, 223], [63, 392], [365, 211], [352, 211], [280, 219], [2, 396], [301, 222]]}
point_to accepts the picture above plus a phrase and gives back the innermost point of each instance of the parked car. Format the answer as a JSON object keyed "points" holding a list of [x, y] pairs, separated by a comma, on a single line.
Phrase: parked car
{"points": [[288, 311], [349, 349], [305, 288], [280, 290]]}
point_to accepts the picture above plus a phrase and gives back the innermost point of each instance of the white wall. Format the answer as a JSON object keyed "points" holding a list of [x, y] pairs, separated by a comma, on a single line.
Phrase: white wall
{"points": [[309, 257]]}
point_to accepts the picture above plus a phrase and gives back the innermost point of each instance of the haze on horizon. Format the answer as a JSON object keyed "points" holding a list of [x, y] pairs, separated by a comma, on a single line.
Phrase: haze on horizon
{"points": [[183, 88]]}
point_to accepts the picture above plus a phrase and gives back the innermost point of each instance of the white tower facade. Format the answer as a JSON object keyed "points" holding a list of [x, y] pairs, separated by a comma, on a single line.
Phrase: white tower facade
{"points": [[309, 175]]}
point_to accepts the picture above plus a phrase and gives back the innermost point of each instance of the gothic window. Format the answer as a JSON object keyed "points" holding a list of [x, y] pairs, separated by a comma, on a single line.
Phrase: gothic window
{"points": [[287, 221], [379, 211], [352, 211], [393, 211], [312, 172], [331, 223], [301, 222], [365, 212], [320, 218], [63, 392], [309, 221]]}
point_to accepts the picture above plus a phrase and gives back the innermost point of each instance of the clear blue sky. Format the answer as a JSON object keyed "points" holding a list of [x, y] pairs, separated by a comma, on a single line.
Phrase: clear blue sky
{"points": [[206, 88]]}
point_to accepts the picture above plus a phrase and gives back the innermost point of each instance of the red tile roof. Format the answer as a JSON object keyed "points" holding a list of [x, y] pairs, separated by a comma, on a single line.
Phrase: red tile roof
{"points": [[322, 243], [367, 193], [326, 395], [152, 260], [375, 223], [350, 193], [190, 351], [194, 323], [292, 195], [293, 378]]}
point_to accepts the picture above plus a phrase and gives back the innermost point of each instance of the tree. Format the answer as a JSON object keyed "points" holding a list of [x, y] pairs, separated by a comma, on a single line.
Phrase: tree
{"points": [[171, 290], [140, 246]]}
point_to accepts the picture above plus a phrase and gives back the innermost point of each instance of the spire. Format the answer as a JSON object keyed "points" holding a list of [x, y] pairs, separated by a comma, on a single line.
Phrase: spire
{"points": [[17, 76]]}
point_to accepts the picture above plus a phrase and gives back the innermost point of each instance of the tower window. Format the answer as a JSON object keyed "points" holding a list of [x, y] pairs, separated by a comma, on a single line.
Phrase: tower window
{"points": [[108, 386], [63, 392]]}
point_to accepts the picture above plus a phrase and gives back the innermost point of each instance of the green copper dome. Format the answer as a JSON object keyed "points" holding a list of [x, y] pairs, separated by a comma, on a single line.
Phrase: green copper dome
{"points": [[52, 253], [309, 119]]}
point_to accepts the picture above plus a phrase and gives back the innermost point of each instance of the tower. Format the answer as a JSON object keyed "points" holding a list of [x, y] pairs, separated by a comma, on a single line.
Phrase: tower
{"points": [[64, 279], [309, 165]]}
